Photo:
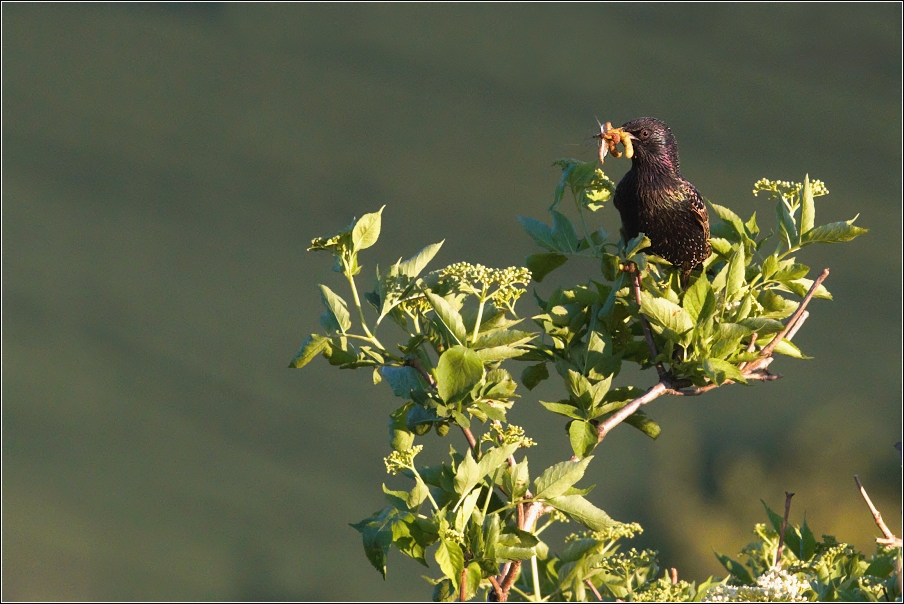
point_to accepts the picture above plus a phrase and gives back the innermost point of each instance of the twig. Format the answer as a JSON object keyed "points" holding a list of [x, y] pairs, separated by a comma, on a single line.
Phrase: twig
{"points": [[647, 331], [781, 536], [767, 351], [750, 348], [797, 325], [593, 589], [415, 363], [889, 537], [758, 375], [497, 588], [509, 580], [462, 584], [622, 414]]}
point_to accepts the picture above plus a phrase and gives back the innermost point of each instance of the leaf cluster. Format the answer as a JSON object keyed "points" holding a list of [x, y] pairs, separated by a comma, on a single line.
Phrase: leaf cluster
{"points": [[480, 515], [832, 571]]}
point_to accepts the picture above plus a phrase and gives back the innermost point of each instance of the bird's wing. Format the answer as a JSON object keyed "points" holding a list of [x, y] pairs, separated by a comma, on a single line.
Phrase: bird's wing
{"points": [[698, 206]]}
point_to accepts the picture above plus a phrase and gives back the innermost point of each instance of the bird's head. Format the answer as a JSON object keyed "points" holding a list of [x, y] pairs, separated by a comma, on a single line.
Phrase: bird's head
{"points": [[648, 141]]}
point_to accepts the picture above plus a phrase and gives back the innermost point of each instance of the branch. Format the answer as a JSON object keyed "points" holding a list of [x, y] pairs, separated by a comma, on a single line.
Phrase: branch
{"points": [[593, 589], [889, 537], [497, 589], [622, 414], [509, 580], [767, 351], [781, 536]]}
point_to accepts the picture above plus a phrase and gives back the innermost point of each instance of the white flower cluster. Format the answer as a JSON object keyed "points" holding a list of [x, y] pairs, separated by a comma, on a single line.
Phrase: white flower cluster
{"points": [[774, 586]]}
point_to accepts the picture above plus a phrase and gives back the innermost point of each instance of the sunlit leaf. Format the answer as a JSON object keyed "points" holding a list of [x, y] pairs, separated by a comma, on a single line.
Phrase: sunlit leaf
{"points": [[457, 371], [367, 230]]}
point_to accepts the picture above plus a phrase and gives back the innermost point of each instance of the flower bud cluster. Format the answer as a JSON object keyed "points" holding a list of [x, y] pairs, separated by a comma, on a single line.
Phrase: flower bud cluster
{"points": [[788, 189], [776, 585], [401, 460], [479, 280], [512, 434]]}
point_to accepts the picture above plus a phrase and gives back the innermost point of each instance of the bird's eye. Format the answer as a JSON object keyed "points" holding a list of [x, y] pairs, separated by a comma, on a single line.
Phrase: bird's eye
{"points": [[644, 133]]}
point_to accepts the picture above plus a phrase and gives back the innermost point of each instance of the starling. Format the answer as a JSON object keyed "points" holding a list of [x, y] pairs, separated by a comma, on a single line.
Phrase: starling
{"points": [[654, 199]]}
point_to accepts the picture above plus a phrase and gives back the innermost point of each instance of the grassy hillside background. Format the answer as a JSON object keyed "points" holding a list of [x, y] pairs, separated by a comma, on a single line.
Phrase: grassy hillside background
{"points": [[165, 167]]}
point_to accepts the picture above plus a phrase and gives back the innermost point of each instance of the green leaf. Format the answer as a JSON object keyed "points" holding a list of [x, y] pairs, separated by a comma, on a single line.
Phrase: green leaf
{"points": [[367, 230], [567, 166], [402, 380], [565, 235], [752, 227], [514, 544], [459, 368], [337, 352], [719, 371], [776, 307], [467, 475], [533, 375], [666, 313], [400, 437], [639, 420], [807, 543], [770, 266], [559, 478], [699, 300], [564, 409], [584, 438], [376, 533], [448, 316], [734, 283], [786, 223], [802, 286], [336, 305], [398, 499], [501, 345], [788, 348], [473, 576], [761, 326], [412, 267], [736, 569], [790, 272], [728, 336], [516, 480], [451, 559], [444, 591], [807, 207], [729, 217], [581, 175], [541, 265], [836, 232], [540, 232], [721, 246], [310, 348], [581, 510], [633, 247], [495, 458]]}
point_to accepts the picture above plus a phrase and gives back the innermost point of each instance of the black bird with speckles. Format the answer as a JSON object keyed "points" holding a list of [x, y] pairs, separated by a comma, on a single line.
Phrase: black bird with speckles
{"points": [[654, 199]]}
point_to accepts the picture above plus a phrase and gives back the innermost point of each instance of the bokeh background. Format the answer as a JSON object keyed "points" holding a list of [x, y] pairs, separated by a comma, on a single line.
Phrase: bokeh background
{"points": [[165, 167]]}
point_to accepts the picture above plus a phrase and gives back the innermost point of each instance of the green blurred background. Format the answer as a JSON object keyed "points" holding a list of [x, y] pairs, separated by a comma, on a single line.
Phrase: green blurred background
{"points": [[165, 167]]}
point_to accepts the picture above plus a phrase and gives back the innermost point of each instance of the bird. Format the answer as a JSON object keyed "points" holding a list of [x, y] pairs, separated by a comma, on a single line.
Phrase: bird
{"points": [[653, 198]]}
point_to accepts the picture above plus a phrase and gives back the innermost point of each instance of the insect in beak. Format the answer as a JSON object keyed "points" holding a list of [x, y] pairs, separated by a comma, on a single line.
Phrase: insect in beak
{"points": [[609, 139]]}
